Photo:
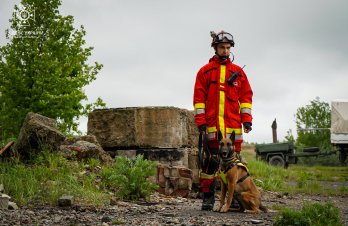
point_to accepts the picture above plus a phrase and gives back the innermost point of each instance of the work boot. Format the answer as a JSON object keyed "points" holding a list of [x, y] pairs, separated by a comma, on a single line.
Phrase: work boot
{"points": [[209, 197], [208, 201], [234, 204]]}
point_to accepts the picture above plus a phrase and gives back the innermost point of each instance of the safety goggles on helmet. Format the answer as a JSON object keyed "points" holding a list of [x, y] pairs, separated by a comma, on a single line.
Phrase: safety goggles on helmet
{"points": [[221, 37]]}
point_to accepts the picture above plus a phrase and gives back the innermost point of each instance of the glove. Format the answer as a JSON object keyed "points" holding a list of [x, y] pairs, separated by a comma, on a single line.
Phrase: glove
{"points": [[202, 128], [247, 125]]}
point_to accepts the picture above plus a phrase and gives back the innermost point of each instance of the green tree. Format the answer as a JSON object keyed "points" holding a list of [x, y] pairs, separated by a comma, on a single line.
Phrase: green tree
{"points": [[289, 137], [44, 68], [313, 122]]}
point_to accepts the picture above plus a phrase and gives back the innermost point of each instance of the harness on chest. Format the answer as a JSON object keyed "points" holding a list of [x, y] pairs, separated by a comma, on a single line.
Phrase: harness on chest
{"points": [[226, 166]]}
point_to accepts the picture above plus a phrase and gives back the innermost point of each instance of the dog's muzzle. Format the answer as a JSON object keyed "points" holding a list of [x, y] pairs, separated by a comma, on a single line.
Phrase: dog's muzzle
{"points": [[224, 153]]}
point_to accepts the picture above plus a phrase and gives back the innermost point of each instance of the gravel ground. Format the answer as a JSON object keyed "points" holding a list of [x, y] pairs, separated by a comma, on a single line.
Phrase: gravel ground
{"points": [[163, 210]]}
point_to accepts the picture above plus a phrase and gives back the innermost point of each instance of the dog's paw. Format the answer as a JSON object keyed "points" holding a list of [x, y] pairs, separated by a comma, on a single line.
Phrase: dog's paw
{"points": [[224, 209], [217, 208]]}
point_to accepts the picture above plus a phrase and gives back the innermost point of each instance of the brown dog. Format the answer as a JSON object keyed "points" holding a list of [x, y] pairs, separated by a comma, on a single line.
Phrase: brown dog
{"points": [[237, 183]]}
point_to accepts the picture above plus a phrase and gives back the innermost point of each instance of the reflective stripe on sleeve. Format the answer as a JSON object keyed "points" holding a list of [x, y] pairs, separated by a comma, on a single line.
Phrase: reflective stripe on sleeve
{"points": [[245, 110], [199, 105], [200, 111], [246, 105]]}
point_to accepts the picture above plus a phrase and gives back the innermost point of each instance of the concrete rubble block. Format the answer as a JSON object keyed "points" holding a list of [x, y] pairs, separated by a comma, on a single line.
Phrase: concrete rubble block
{"points": [[184, 172], [161, 178], [185, 183], [192, 158], [143, 127], [66, 201], [193, 164], [86, 150], [89, 138], [172, 179], [38, 131], [12, 206], [4, 200], [166, 172]]}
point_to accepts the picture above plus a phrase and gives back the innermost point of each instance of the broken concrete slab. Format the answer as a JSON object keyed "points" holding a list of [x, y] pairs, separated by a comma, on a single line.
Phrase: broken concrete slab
{"points": [[12, 206], [143, 127], [86, 150], [37, 132], [4, 202]]}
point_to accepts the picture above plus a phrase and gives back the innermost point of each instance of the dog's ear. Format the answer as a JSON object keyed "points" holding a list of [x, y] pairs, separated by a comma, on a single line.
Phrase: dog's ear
{"points": [[233, 137], [220, 136]]}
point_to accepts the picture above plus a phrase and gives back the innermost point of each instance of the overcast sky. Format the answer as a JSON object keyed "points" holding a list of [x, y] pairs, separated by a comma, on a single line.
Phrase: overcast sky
{"points": [[151, 50]]}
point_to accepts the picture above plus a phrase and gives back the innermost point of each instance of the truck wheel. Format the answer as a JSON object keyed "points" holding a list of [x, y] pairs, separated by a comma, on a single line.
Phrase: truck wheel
{"points": [[276, 161]]}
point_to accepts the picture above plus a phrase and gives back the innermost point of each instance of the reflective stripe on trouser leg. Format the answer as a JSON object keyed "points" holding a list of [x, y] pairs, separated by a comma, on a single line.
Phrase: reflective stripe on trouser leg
{"points": [[237, 136], [211, 135]]}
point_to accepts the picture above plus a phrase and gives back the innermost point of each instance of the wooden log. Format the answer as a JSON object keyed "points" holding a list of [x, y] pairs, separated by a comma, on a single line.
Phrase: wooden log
{"points": [[7, 146]]}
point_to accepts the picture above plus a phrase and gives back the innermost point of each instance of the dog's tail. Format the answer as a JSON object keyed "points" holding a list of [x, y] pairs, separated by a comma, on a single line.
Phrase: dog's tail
{"points": [[263, 208]]}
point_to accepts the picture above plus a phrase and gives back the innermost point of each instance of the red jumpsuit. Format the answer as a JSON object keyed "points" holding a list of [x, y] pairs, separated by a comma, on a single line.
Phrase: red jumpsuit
{"points": [[220, 105]]}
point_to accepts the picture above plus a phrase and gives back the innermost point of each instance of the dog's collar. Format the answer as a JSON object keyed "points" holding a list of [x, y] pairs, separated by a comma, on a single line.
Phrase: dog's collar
{"points": [[228, 163]]}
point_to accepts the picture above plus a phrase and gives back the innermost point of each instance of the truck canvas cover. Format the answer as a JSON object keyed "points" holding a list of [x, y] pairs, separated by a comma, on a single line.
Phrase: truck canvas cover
{"points": [[339, 121]]}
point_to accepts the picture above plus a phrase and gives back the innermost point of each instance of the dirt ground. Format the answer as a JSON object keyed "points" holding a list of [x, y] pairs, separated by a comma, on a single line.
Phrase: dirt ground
{"points": [[163, 210]]}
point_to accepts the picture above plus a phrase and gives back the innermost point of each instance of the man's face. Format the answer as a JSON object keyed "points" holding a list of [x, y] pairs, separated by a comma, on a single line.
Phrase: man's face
{"points": [[223, 49]]}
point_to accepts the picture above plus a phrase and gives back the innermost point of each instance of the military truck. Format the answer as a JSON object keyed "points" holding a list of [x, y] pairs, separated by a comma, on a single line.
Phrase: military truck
{"points": [[283, 154], [339, 127], [277, 154]]}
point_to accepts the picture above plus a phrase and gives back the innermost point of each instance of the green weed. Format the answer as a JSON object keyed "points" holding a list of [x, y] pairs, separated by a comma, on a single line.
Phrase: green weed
{"points": [[311, 214], [130, 178]]}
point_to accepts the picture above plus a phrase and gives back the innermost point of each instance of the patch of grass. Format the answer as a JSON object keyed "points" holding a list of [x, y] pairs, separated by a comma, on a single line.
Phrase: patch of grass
{"points": [[266, 176], [305, 179], [311, 214], [321, 173], [118, 222], [328, 160], [47, 177]]}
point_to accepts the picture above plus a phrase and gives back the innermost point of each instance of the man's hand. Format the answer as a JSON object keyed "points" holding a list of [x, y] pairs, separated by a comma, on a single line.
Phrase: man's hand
{"points": [[247, 127], [202, 128]]}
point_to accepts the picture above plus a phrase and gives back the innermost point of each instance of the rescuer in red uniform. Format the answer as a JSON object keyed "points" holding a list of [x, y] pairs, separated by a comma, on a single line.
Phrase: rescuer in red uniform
{"points": [[222, 102]]}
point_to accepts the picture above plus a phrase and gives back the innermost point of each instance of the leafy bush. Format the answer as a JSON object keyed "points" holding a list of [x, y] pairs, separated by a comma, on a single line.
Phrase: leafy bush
{"points": [[311, 214], [130, 178]]}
